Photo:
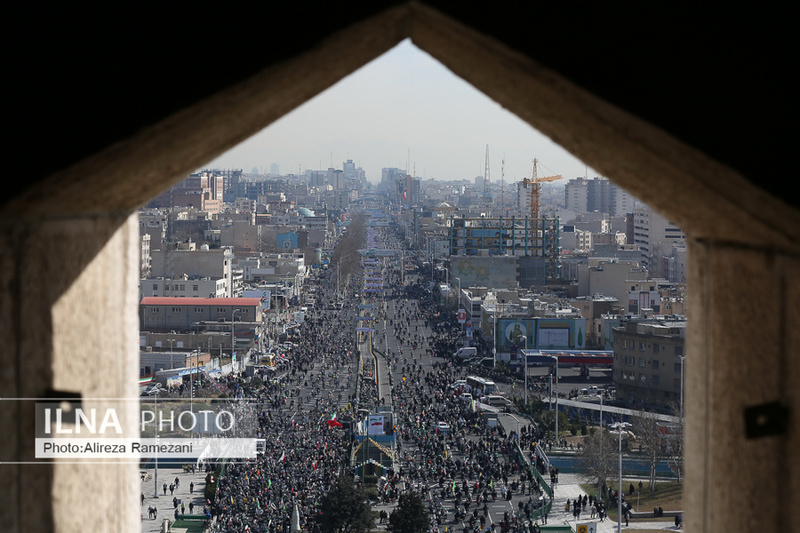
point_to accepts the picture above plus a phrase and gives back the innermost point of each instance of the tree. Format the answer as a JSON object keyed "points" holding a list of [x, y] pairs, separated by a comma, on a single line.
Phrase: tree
{"points": [[345, 258], [598, 459], [410, 515], [547, 419], [344, 509], [651, 440]]}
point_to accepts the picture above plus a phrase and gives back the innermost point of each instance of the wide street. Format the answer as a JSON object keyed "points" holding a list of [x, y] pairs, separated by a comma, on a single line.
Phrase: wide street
{"points": [[466, 470]]}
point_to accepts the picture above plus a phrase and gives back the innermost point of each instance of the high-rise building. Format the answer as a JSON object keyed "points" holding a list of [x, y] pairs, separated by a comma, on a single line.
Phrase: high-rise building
{"points": [[576, 195], [583, 195], [349, 169], [316, 178], [389, 175], [657, 238]]}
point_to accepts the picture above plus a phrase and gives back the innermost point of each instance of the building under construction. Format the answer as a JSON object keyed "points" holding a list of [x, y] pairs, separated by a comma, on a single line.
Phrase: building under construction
{"points": [[518, 237]]}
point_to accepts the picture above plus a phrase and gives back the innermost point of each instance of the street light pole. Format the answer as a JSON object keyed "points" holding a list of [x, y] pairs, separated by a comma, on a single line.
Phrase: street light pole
{"points": [[170, 353], [191, 382], [458, 302], [233, 332], [525, 369], [554, 389], [447, 277], [155, 470], [494, 335], [682, 357], [620, 426]]}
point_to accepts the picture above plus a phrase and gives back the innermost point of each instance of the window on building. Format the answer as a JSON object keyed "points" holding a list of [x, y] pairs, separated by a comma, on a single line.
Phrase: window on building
{"points": [[655, 364], [654, 379], [195, 288], [679, 350], [655, 347], [642, 361]]}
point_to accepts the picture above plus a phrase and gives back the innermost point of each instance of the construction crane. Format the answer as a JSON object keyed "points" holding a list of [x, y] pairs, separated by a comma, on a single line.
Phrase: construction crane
{"points": [[535, 185]]}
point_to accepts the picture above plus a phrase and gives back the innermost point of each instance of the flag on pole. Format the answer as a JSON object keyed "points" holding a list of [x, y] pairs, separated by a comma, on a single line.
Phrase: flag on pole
{"points": [[283, 457]]}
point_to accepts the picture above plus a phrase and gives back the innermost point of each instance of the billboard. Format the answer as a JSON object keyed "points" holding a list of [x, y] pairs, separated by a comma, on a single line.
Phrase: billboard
{"points": [[286, 241], [542, 333], [375, 425], [510, 333], [491, 272], [265, 296]]}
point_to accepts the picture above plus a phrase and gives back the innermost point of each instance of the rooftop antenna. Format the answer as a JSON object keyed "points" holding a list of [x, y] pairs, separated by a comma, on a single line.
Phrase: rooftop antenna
{"points": [[486, 178], [502, 183]]}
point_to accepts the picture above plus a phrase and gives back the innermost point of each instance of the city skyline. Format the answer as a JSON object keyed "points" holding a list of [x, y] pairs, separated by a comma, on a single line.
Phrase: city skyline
{"points": [[404, 110]]}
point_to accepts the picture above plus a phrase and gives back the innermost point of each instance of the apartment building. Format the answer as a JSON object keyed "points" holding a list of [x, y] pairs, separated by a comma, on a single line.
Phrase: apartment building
{"points": [[648, 362], [183, 314]]}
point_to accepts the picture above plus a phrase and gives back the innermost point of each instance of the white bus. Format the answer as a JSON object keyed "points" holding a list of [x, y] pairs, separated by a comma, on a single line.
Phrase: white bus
{"points": [[478, 386]]}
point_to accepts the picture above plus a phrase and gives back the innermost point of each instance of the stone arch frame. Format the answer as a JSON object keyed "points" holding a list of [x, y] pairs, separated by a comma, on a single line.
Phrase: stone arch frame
{"points": [[76, 229]]}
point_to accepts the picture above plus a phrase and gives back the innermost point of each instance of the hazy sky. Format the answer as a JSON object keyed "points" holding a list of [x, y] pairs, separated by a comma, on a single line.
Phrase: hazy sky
{"points": [[404, 110]]}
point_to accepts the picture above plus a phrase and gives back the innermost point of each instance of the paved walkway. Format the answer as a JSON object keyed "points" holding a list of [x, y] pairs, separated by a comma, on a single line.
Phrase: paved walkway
{"points": [[569, 488], [164, 503]]}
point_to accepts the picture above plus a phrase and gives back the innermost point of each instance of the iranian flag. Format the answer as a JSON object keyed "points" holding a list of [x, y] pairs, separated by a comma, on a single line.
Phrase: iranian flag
{"points": [[333, 422]]}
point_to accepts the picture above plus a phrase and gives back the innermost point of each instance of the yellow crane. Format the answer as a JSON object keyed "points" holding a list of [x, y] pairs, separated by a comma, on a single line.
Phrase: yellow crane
{"points": [[535, 184]]}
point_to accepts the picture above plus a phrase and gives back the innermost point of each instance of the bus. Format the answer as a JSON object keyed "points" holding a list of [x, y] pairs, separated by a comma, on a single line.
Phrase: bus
{"points": [[479, 386]]}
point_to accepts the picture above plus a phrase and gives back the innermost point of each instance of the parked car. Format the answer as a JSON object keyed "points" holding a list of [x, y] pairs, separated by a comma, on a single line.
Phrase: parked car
{"points": [[153, 388]]}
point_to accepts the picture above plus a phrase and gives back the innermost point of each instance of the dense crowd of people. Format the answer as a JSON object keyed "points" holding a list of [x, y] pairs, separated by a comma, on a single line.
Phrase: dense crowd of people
{"points": [[464, 466]]}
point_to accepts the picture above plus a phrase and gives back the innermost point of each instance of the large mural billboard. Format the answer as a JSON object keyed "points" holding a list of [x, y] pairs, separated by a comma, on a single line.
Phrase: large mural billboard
{"points": [[487, 272], [542, 333], [286, 241]]}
